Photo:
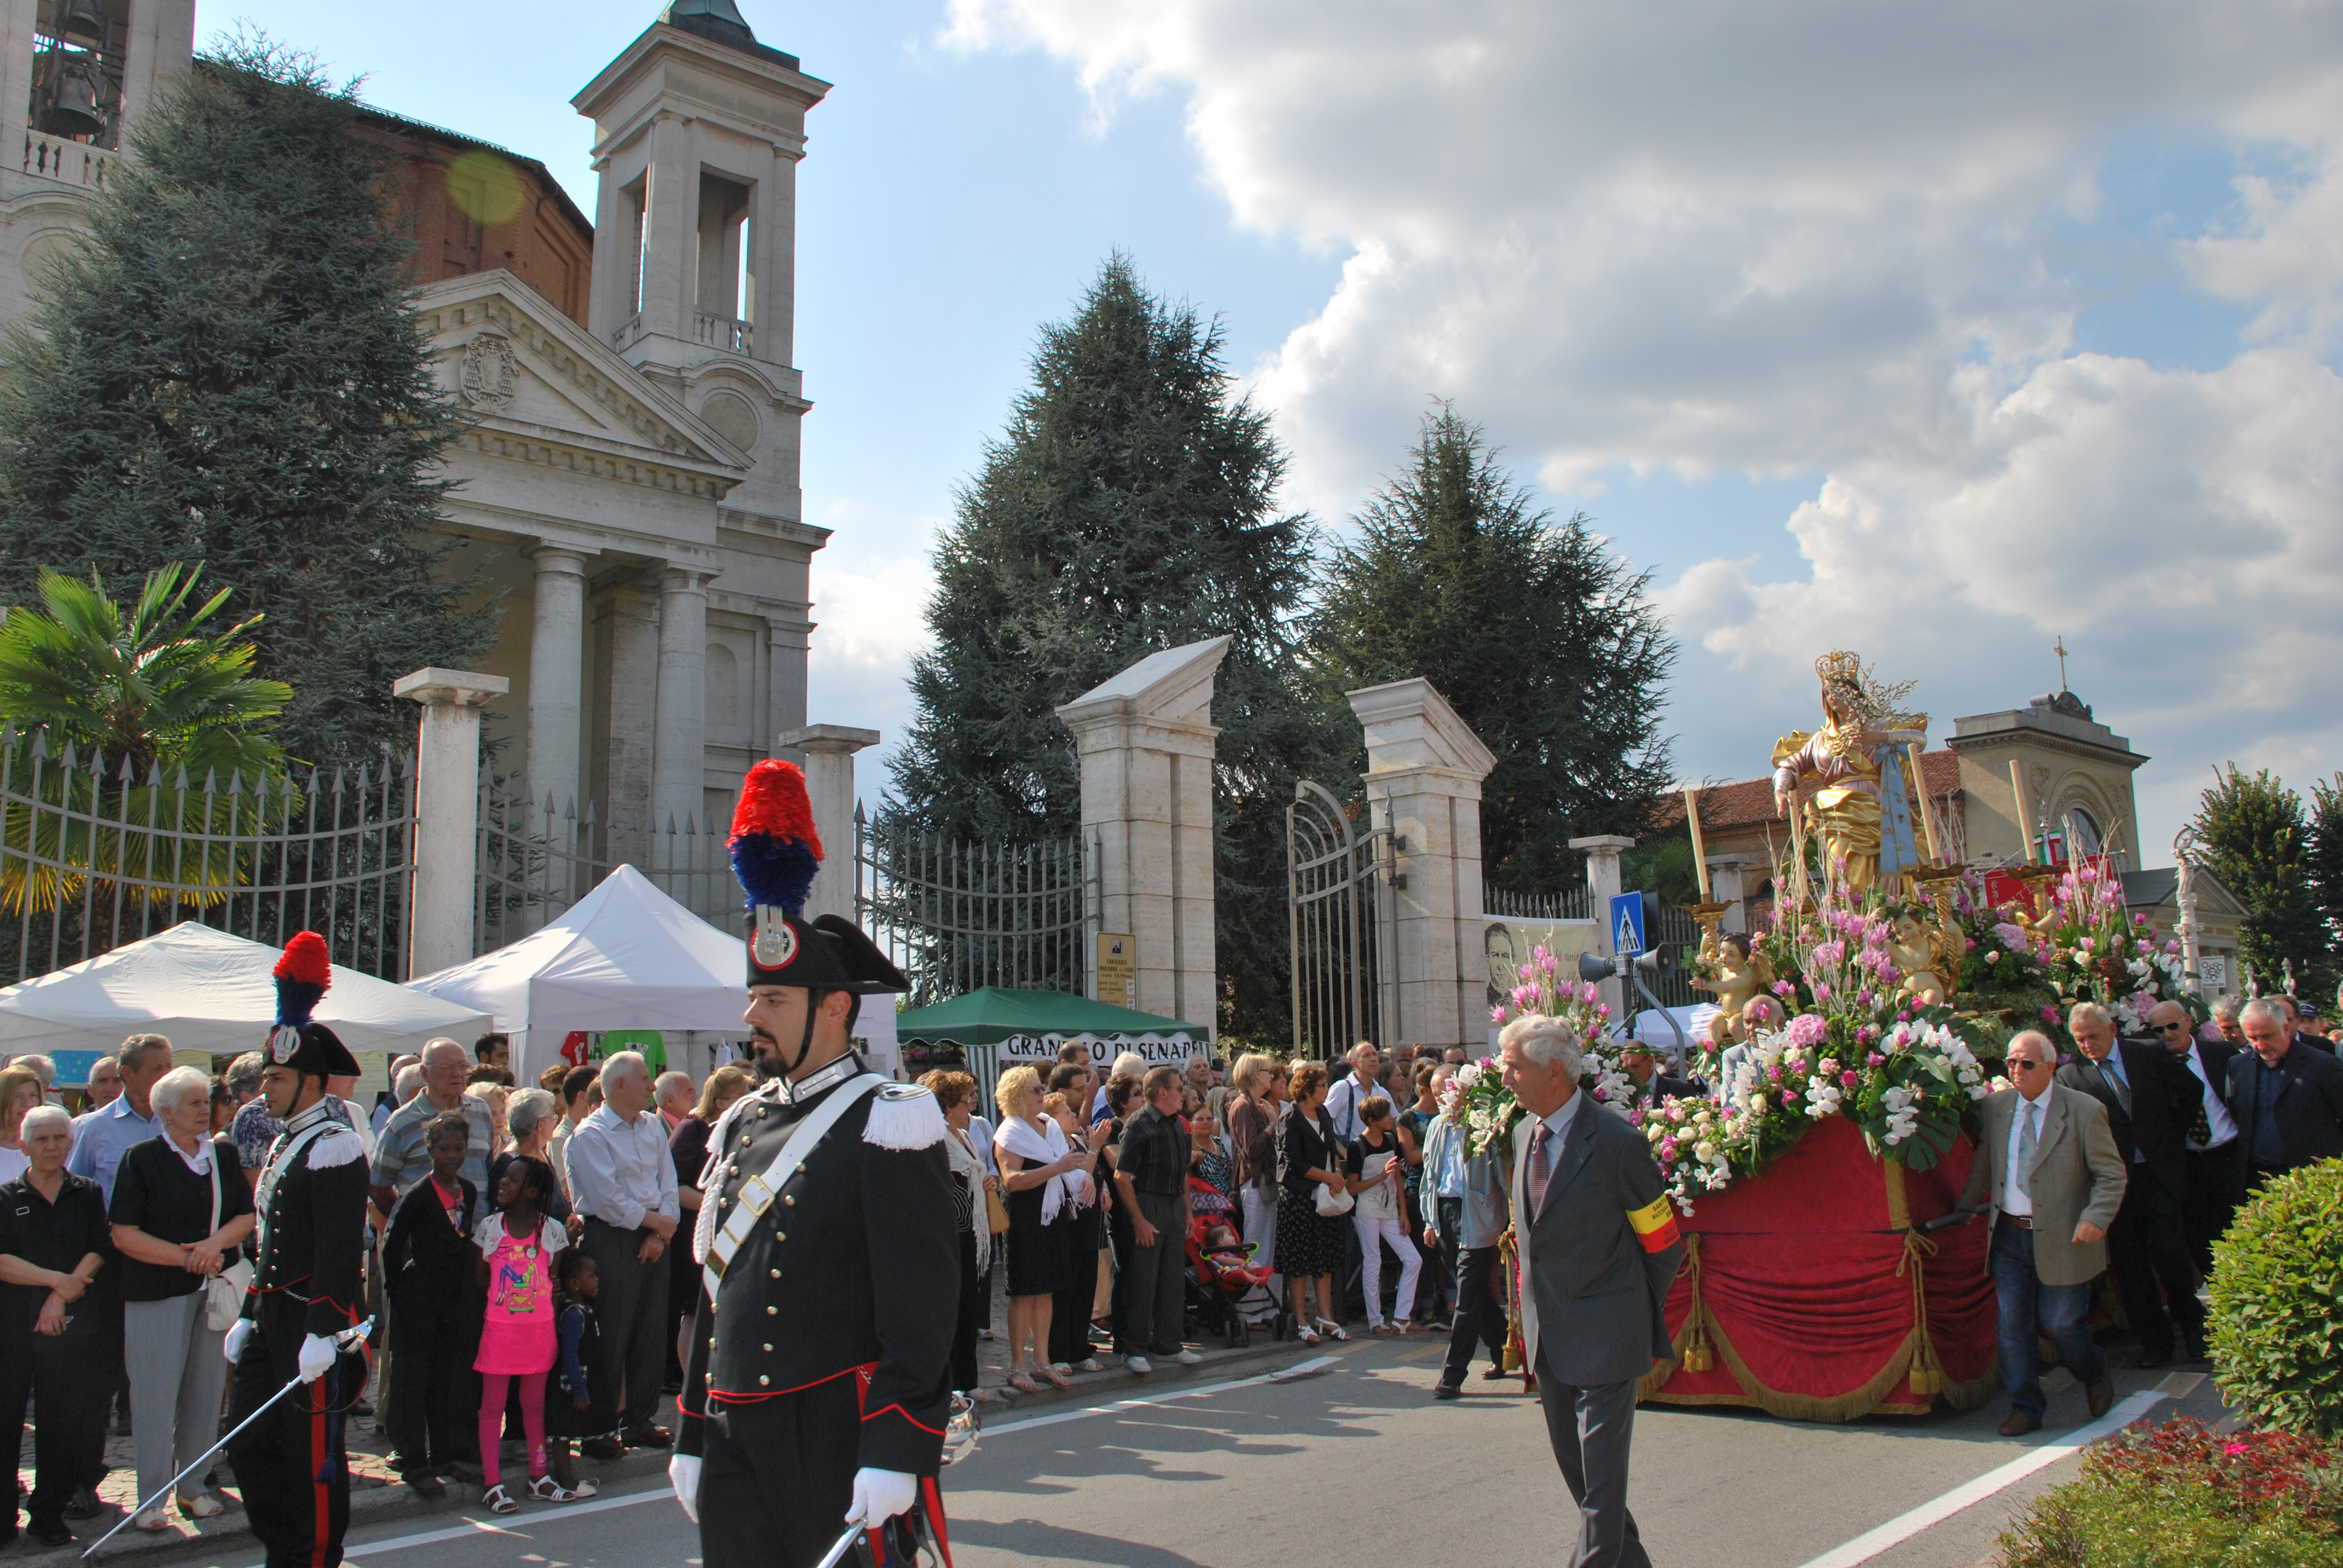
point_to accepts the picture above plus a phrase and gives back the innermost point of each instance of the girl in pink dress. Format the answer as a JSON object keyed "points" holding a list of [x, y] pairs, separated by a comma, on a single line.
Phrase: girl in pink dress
{"points": [[518, 1341]]}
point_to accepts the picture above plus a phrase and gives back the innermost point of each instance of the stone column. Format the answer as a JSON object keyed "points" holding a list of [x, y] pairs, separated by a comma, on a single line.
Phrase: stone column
{"points": [[1424, 768], [1602, 852], [1146, 739], [1728, 880], [669, 298], [829, 751], [557, 678], [447, 813], [626, 678], [679, 744]]}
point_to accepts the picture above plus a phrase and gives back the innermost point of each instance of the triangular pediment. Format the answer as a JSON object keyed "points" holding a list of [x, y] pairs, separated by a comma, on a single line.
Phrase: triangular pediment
{"points": [[516, 362]]}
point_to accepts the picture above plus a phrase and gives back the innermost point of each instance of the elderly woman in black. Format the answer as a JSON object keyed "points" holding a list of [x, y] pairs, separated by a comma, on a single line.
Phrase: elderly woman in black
{"points": [[180, 1211], [1309, 1243], [60, 1335]]}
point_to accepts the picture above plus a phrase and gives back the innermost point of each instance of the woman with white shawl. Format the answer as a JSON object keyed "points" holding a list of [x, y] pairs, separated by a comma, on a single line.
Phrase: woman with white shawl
{"points": [[1044, 1177]]}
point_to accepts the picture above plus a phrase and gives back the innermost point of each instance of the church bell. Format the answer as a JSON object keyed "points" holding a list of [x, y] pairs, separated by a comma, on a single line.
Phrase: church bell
{"points": [[70, 105], [78, 20]]}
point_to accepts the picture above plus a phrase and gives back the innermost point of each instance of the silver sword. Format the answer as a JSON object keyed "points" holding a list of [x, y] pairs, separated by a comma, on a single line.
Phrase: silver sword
{"points": [[345, 1339]]}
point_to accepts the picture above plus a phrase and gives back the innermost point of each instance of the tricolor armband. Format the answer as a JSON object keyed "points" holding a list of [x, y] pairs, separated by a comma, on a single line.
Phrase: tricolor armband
{"points": [[1655, 1224]]}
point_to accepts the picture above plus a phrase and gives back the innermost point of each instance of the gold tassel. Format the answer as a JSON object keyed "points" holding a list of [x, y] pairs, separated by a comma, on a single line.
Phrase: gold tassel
{"points": [[1927, 1379]]}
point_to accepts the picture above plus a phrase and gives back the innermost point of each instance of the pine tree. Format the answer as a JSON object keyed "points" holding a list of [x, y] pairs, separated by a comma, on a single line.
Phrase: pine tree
{"points": [[225, 372], [1541, 639], [1130, 508], [2257, 843], [2327, 859]]}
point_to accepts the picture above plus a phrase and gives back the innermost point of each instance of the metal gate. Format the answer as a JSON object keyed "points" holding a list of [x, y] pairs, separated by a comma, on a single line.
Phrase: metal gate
{"points": [[959, 915], [95, 852], [535, 862], [1340, 918]]}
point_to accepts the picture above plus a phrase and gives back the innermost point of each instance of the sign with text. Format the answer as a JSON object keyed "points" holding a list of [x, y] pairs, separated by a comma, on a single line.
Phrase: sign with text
{"points": [[1158, 1049], [1117, 969]]}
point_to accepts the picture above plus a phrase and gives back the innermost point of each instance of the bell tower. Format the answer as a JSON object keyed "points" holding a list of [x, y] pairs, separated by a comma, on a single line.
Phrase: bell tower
{"points": [[75, 76]]}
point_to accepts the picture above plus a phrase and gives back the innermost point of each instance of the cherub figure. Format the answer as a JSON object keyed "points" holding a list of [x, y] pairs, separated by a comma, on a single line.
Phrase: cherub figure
{"points": [[1741, 974], [1926, 955]]}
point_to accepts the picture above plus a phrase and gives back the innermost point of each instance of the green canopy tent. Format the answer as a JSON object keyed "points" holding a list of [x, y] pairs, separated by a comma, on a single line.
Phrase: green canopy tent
{"points": [[996, 1028]]}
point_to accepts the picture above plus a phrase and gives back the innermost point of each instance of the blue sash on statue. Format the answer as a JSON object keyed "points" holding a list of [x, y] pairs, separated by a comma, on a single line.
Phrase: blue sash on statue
{"points": [[1899, 852]]}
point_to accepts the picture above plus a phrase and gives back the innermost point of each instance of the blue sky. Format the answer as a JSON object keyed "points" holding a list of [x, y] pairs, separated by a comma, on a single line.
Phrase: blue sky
{"points": [[1938, 338]]}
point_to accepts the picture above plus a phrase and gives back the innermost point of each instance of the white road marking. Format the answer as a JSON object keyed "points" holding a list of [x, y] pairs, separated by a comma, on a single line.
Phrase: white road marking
{"points": [[470, 1528], [1904, 1526]]}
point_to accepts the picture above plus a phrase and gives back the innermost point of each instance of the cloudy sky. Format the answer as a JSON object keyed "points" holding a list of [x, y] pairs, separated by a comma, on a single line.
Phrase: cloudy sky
{"points": [[1933, 332]]}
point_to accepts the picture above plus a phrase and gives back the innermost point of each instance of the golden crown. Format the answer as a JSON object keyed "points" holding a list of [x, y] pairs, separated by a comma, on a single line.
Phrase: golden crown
{"points": [[1840, 665]]}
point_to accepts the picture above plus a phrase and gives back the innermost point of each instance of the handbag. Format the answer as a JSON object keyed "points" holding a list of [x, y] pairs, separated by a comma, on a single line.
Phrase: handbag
{"points": [[1332, 1204], [223, 1292], [996, 1212]]}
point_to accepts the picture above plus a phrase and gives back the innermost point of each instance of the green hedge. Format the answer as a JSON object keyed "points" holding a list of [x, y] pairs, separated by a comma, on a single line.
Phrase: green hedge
{"points": [[2182, 1496], [2276, 1294]]}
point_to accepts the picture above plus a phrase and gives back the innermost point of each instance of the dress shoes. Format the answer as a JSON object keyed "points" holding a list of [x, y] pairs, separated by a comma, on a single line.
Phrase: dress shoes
{"points": [[427, 1486], [602, 1449], [83, 1503], [648, 1436], [1446, 1390], [2017, 1423], [2102, 1395], [1493, 1374], [52, 1533]]}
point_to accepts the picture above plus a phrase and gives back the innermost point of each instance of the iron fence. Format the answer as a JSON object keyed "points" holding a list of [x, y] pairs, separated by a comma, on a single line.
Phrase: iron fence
{"points": [[1338, 915], [536, 860], [1570, 904], [97, 852], [957, 916]]}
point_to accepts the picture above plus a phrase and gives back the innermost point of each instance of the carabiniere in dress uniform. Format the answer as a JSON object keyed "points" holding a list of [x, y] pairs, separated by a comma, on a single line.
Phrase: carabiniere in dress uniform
{"points": [[817, 1395]]}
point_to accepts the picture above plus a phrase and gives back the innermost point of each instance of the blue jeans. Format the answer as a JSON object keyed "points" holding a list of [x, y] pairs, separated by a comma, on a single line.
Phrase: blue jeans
{"points": [[2027, 1307]]}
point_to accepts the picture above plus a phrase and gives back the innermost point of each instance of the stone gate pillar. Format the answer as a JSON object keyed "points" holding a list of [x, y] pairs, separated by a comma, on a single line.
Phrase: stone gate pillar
{"points": [[1424, 768], [829, 751], [1602, 877], [447, 813], [1145, 740]]}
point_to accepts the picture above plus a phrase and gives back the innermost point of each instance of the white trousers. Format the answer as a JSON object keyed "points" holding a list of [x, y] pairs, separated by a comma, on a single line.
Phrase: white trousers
{"points": [[1374, 1236], [1261, 1223]]}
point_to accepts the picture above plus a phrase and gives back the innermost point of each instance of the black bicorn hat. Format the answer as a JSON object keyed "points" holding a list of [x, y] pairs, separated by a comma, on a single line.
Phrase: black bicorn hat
{"points": [[303, 973], [774, 854]]}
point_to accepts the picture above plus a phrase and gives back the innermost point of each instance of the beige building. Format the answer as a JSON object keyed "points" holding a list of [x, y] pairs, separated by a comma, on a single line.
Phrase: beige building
{"points": [[631, 486]]}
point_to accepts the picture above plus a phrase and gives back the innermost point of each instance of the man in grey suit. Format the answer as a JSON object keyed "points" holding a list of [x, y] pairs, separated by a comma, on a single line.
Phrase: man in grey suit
{"points": [[1599, 1250], [2050, 1167]]}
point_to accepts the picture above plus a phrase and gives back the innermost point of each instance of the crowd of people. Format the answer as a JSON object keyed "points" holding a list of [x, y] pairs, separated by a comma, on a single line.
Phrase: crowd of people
{"points": [[526, 1266]]}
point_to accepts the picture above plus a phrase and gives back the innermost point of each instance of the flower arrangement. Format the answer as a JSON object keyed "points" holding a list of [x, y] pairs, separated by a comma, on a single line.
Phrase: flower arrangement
{"points": [[1544, 988], [2092, 948]]}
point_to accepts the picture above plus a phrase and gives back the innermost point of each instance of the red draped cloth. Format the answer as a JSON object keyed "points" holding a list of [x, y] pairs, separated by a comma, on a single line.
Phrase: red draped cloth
{"points": [[1805, 1292]]}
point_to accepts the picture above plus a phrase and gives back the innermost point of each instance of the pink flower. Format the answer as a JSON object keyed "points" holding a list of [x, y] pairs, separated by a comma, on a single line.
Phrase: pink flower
{"points": [[1773, 1075], [1496, 1015], [1850, 1078], [1863, 996], [2050, 1015], [1874, 1060], [1781, 988], [1636, 1116], [1789, 1098], [1822, 992], [1527, 973], [2233, 1448], [1667, 1147], [1808, 1029]]}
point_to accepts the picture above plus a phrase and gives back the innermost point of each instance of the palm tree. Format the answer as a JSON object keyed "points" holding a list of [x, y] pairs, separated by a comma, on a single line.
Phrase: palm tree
{"points": [[136, 716]]}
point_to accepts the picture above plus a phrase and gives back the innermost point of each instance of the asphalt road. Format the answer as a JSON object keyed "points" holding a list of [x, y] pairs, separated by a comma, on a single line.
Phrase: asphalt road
{"points": [[1355, 1465]]}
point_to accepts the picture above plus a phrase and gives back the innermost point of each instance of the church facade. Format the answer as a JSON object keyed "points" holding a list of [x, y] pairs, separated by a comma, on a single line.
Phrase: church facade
{"points": [[628, 491]]}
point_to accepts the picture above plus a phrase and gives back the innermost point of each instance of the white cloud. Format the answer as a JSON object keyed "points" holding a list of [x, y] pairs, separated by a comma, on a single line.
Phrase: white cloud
{"points": [[1818, 237]]}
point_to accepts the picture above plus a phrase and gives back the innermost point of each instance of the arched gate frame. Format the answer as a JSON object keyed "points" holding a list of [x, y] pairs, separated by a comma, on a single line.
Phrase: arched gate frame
{"points": [[1339, 879]]}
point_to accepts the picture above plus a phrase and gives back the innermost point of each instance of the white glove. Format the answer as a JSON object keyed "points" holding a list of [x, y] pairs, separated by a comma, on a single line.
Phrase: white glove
{"points": [[238, 1333], [683, 1475], [317, 1354], [880, 1495]]}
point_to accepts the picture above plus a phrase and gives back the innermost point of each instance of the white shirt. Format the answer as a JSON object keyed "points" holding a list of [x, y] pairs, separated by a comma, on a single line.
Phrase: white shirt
{"points": [[1343, 1104], [618, 1173], [2217, 1113], [2016, 1199]]}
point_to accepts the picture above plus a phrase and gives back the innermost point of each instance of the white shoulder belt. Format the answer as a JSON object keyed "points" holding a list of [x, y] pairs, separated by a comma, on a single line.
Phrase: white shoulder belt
{"points": [[758, 1192]]}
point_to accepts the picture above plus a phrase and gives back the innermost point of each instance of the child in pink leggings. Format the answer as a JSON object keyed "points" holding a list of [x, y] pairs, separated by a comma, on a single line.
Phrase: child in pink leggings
{"points": [[515, 1268]]}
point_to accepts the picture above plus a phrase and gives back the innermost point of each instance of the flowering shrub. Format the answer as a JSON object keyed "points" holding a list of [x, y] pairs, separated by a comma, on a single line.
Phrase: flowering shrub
{"points": [[2180, 1494]]}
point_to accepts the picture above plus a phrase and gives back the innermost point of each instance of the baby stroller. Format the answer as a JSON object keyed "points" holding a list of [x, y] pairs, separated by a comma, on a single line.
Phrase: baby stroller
{"points": [[1227, 1296]]}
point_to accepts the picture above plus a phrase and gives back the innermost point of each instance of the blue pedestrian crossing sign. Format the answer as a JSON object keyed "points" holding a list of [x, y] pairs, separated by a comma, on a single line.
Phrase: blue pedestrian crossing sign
{"points": [[1628, 925]]}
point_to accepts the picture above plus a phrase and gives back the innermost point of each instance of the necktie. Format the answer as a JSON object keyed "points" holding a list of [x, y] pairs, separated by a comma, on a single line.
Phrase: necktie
{"points": [[2026, 1136], [2111, 1074], [1539, 1171], [2201, 1128]]}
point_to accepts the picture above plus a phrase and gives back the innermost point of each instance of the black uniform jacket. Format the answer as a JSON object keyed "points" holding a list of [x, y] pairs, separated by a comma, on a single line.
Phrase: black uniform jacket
{"points": [[853, 1271], [2165, 1097], [313, 1230]]}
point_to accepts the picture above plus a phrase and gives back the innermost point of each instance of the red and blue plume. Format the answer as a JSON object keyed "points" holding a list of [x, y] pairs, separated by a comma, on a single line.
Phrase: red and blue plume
{"points": [[775, 849], [303, 974]]}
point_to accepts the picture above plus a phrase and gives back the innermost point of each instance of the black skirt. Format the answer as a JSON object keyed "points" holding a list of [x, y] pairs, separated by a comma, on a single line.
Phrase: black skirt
{"points": [[1308, 1243], [1041, 1257]]}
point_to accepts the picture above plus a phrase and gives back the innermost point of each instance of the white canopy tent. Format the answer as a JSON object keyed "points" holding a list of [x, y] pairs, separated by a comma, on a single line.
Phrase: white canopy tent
{"points": [[209, 992], [626, 956]]}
